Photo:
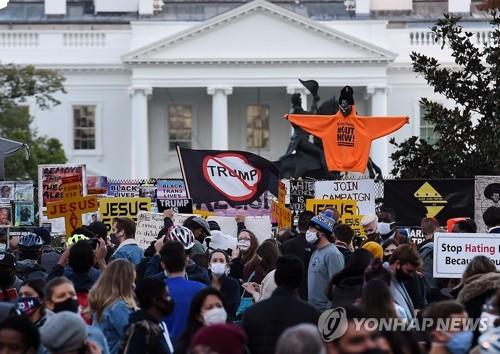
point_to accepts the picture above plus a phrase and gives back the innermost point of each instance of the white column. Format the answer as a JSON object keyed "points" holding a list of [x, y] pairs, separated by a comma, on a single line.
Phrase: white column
{"points": [[139, 140], [220, 130], [379, 150]]}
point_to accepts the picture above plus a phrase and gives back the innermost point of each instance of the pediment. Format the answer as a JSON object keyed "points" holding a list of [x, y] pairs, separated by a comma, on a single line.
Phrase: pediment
{"points": [[259, 32]]}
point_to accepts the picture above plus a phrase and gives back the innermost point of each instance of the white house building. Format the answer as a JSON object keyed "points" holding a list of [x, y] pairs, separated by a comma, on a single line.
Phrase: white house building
{"points": [[145, 75]]}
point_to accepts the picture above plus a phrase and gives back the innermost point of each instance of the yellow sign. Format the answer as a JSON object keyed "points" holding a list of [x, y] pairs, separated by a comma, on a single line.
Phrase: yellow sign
{"points": [[344, 207], [72, 206], [431, 199], [110, 208], [281, 194], [282, 215], [354, 221]]}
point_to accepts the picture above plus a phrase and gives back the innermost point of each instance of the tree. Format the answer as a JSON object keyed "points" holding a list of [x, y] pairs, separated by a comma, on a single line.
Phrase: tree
{"points": [[466, 146], [17, 85]]}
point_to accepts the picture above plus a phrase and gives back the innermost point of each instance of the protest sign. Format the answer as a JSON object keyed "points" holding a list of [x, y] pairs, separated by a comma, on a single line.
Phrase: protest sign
{"points": [[454, 251], [5, 215], [110, 208], [344, 207], [183, 206], [300, 191], [259, 225], [487, 194], [123, 188], [50, 181], [97, 185], [281, 193], [414, 233], [25, 213], [442, 199], [282, 215], [259, 207], [24, 191], [362, 191], [148, 227], [6, 191], [73, 205], [171, 189], [354, 221]]}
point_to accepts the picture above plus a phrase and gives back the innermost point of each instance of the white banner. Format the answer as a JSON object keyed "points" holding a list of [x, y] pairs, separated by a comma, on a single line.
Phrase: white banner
{"points": [[362, 191], [453, 252]]}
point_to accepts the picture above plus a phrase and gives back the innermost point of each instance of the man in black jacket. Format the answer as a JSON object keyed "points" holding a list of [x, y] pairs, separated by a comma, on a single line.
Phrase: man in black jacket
{"points": [[299, 247], [265, 321], [146, 332]]}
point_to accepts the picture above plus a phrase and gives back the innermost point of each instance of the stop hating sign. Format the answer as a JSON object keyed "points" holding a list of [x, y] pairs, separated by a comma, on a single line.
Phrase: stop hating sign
{"points": [[232, 175]]}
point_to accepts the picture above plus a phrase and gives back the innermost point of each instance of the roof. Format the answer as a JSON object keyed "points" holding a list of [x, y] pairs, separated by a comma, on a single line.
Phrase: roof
{"points": [[82, 11]]}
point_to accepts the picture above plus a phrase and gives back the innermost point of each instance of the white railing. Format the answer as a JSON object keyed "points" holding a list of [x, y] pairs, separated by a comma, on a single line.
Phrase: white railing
{"points": [[84, 39], [18, 39], [427, 38]]}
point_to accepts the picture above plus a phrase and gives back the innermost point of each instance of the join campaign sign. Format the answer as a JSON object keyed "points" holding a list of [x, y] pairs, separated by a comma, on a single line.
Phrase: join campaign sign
{"points": [[453, 252], [361, 191]]}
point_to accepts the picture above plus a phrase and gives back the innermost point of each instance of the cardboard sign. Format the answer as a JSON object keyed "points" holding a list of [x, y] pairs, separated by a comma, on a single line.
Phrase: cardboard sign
{"points": [[486, 194], [354, 221], [282, 215], [73, 205], [110, 208], [300, 191], [362, 191], [281, 193], [453, 252], [344, 207], [50, 181], [147, 228], [183, 206]]}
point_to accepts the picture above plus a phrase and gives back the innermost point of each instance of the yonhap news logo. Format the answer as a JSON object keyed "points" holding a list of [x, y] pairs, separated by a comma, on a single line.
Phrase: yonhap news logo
{"points": [[332, 324]]}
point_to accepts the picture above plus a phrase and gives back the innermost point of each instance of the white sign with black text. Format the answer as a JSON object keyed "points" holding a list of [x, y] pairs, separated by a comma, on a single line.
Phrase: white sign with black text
{"points": [[362, 191]]}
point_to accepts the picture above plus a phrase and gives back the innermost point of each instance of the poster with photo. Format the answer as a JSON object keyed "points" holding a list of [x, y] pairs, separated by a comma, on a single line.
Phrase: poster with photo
{"points": [[24, 191], [6, 191], [25, 214], [5, 215]]}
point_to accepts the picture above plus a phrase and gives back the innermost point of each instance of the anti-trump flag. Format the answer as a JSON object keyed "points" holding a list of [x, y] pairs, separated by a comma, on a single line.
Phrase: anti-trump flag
{"points": [[237, 177]]}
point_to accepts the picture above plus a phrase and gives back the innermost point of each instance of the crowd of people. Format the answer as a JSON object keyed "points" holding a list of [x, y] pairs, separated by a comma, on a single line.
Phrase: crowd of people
{"points": [[196, 290]]}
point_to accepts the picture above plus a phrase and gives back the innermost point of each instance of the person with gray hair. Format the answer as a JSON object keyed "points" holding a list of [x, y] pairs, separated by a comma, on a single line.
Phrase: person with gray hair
{"points": [[301, 339]]}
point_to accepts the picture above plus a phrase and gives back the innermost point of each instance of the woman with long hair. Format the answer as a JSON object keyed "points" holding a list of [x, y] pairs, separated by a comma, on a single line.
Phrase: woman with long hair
{"points": [[207, 308], [376, 300], [111, 301], [30, 301], [346, 286], [229, 287], [262, 263], [244, 253]]}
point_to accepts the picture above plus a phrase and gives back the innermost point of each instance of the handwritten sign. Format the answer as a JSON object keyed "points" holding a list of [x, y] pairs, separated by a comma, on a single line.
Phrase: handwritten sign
{"points": [[148, 227], [73, 205]]}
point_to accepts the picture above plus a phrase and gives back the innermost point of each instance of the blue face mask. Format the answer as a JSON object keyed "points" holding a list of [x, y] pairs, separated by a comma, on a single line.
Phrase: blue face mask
{"points": [[460, 343]]}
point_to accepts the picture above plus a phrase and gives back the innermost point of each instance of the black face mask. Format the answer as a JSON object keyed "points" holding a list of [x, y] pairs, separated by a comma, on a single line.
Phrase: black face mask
{"points": [[386, 258], [70, 305], [166, 306], [6, 278], [402, 276]]}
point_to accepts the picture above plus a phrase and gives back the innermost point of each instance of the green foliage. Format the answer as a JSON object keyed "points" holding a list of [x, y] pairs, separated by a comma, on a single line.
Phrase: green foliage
{"points": [[17, 84], [469, 142]]}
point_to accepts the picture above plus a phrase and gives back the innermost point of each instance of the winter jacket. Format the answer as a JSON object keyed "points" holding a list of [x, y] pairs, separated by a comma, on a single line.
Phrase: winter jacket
{"points": [[29, 269], [129, 250], [400, 295], [113, 323], [347, 290], [230, 289], [145, 335], [265, 321]]}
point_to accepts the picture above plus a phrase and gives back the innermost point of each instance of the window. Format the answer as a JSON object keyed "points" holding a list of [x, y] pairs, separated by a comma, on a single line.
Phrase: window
{"points": [[180, 125], [84, 127], [427, 132], [257, 126]]}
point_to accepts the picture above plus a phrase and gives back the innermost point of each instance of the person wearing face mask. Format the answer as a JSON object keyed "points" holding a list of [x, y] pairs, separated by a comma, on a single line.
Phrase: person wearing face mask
{"points": [[146, 333], [124, 231], [325, 261], [9, 282], [387, 226], [402, 265], [229, 287], [370, 226], [244, 253], [453, 337], [60, 296], [426, 250], [207, 308], [30, 301], [389, 246]]}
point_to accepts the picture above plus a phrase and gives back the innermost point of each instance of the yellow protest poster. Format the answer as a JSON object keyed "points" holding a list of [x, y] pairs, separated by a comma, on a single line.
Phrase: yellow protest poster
{"points": [[354, 221], [281, 194], [110, 208], [282, 215], [344, 207], [72, 206]]}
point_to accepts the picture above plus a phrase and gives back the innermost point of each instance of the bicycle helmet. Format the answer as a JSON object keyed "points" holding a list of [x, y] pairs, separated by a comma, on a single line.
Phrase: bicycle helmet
{"points": [[75, 238], [30, 241], [183, 235]]}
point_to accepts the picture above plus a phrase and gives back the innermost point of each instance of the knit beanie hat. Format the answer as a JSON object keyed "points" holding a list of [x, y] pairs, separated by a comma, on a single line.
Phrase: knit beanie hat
{"points": [[221, 338], [63, 332], [375, 249], [324, 221], [289, 271]]}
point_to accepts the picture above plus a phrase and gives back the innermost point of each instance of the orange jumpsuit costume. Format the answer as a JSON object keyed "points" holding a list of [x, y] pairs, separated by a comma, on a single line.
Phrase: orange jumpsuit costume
{"points": [[347, 140]]}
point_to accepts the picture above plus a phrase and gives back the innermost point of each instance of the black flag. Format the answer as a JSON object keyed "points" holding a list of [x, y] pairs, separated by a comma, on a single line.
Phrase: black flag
{"points": [[237, 177]]}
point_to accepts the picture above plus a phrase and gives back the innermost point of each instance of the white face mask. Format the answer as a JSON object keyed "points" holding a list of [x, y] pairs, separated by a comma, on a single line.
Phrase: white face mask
{"points": [[218, 268], [217, 315], [244, 245], [311, 236], [384, 228], [487, 321]]}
